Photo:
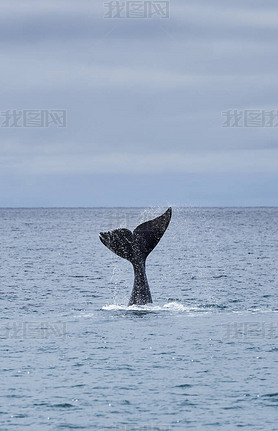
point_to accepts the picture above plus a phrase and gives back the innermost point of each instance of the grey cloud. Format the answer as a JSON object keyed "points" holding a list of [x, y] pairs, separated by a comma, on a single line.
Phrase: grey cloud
{"points": [[141, 96], [39, 21]]}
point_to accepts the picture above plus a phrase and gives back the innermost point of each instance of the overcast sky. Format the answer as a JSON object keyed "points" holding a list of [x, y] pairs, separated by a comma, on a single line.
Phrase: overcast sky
{"points": [[143, 99]]}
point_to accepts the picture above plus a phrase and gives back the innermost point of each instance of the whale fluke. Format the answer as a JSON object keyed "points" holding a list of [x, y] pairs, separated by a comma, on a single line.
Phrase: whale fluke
{"points": [[136, 246], [147, 235], [119, 241]]}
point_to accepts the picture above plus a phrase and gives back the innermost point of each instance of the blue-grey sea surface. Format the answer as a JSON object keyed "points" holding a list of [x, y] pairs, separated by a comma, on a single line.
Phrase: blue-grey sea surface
{"points": [[203, 356]]}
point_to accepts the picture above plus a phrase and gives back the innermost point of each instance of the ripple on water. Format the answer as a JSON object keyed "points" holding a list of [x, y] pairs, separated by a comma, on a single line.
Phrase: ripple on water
{"points": [[62, 405]]}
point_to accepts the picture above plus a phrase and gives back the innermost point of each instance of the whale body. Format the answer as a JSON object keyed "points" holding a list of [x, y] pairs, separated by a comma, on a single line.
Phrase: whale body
{"points": [[135, 247]]}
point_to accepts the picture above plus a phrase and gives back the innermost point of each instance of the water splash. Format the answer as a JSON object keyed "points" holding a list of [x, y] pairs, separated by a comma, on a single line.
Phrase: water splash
{"points": [[170, 306]]}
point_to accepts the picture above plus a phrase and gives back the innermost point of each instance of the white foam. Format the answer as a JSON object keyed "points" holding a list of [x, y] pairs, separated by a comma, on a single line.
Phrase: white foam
{"points": [[170, 306], [176, 306]]}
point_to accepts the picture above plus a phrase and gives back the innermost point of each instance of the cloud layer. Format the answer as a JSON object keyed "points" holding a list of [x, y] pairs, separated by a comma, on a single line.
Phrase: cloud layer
{"points": [[143, 96]]}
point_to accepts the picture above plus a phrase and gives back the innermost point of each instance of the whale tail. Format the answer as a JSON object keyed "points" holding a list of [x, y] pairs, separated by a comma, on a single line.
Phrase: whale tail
{"points": [[119, 241], [136, 246], [139, 243]]}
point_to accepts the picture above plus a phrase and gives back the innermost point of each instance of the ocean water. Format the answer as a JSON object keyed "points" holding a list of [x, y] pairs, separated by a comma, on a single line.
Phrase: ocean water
{"points": [[203, 356]]}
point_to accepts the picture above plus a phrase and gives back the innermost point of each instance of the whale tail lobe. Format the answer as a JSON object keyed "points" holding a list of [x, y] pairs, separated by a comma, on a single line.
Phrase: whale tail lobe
{"points": [[119, 241]]}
